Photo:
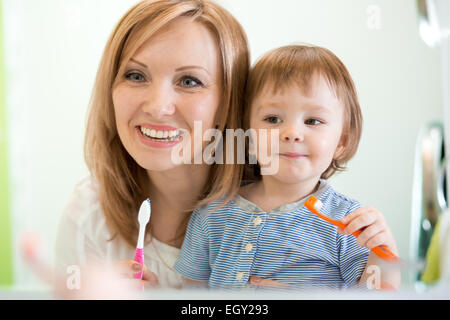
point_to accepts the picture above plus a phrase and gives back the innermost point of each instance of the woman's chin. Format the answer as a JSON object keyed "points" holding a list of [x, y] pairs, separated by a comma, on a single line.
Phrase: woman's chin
{"points": [[158, 164]]}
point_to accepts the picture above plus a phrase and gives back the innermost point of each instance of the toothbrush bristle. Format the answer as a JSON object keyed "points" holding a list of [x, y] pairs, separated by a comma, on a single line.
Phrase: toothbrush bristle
{"points": [[144, 212], [318, 205]]}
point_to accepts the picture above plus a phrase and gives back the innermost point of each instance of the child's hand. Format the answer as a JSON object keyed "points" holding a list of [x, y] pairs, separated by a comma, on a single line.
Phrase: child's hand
{"points": [[375, 230]]}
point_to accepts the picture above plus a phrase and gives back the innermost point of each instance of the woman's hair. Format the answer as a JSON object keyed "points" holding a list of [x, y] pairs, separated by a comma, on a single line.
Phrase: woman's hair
{"points": [[122, 184], [298, 64]]}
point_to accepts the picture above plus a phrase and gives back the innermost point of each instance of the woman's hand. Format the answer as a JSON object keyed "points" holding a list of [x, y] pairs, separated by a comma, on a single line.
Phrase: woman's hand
{"points": [[129, 268], [267, 283], [92, 281], [374, 229]]}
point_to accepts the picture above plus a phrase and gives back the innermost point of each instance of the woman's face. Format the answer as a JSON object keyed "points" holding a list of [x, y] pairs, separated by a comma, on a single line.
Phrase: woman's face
{"points": [[173, 80]]}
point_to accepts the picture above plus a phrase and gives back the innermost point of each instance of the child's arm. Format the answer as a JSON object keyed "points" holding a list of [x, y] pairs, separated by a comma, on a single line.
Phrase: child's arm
{"points": [[193, 261], [376, 232]]}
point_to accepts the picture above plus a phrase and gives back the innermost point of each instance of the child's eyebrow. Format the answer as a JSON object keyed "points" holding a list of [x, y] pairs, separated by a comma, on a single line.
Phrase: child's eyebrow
{"points": [[318, 107], [267, 105], [309, 107]]}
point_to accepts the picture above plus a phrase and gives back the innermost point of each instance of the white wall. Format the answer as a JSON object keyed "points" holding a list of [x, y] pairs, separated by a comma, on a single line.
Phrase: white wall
{"points": [[53, 48]]}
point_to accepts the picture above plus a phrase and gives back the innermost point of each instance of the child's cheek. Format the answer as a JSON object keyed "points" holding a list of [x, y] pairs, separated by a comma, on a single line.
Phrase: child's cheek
{"points": [[323, 149], [264, 145]]}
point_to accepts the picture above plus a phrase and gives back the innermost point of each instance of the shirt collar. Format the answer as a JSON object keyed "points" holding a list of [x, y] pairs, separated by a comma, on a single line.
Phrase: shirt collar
{"points": [[251, 207]]}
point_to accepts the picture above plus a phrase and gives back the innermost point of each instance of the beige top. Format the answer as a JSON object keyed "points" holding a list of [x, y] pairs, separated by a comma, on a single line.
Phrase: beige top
{"points": [[83, 239]]}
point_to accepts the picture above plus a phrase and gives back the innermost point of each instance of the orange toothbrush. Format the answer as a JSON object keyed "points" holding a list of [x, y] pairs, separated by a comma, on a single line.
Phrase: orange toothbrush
{"points": [[382, 251]]}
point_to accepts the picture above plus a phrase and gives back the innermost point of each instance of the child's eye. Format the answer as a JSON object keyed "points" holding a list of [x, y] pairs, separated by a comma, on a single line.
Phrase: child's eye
{"points": [[190, 82], [273, 119], [135, 77], [313, 122]]}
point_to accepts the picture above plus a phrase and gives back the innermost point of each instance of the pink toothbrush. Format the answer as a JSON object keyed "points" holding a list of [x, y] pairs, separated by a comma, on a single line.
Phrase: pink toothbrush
{"points": [[144, 216]]}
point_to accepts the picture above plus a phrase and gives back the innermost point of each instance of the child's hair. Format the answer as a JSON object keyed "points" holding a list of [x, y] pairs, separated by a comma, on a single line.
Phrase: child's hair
{"points": [[297, 64]]}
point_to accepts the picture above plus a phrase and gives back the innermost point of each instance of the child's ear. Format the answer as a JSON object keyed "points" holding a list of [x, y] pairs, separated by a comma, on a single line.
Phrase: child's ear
{"points": [[340, 148]]}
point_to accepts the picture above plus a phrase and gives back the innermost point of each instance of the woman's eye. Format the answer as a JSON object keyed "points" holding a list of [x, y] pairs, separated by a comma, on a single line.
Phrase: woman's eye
{"points": [[190, 82], [272, 119], [136, 77], [313, 122]]}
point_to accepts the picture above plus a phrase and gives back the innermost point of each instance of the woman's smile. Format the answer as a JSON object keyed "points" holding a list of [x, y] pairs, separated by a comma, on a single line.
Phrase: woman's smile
{"points": [[159, 138]]}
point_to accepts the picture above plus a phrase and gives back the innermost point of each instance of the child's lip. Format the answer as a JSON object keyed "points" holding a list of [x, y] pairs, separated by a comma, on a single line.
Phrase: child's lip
{"points": [[293, 154]]}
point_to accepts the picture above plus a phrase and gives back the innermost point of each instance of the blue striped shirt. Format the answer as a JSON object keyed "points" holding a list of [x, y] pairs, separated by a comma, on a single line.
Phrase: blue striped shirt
{"points": [[288, 244]]}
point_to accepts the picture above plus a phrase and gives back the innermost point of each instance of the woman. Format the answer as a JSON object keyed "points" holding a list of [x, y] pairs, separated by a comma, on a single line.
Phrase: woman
{"points": [[166, 65]]}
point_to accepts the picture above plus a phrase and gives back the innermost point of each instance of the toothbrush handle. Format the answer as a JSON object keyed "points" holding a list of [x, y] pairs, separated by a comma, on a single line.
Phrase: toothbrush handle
{"points": [[139, 257], [381, 251]]}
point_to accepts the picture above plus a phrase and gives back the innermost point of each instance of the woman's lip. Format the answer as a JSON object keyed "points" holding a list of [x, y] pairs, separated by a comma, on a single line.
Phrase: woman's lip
{"points": [[157, 127], [157, 144]]}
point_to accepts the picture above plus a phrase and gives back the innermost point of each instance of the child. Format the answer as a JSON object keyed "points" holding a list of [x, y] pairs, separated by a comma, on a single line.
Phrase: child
{"points": [[265, 232]]}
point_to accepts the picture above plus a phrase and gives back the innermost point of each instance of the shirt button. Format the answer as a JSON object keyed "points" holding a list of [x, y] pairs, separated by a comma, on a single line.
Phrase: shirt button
{"points": [[257, 221], [248, 247], [239, 276]]}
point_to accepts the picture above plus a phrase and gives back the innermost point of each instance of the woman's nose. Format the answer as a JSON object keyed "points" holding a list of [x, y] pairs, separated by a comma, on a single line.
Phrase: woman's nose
{"points": [[159, 101], [292, 134]]}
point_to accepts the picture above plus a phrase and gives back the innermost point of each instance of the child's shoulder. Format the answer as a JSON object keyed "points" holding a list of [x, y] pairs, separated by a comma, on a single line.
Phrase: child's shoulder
{"points": [[217, 206], [337, 204], [215, 214]]}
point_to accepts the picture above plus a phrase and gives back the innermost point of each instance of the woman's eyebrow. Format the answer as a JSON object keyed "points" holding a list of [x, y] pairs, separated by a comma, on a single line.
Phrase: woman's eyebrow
{"points": [[192, 67], [140, 63], [177, 70]]}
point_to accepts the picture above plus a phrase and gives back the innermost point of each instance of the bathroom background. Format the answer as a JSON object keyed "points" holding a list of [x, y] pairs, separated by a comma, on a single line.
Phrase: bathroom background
{"points": [[49, 57]]}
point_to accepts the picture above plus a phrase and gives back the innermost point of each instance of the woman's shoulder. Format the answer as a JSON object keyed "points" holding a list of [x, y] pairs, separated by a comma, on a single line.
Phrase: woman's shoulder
{"points": [[83, 205], [82, 231]]}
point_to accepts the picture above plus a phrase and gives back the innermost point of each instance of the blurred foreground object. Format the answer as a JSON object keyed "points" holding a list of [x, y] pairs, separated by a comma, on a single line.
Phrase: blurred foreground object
{"points": [[87, 283]]}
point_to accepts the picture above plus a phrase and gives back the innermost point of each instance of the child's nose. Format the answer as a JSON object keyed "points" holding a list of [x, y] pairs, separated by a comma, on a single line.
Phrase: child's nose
{"points": [[292, 135]]}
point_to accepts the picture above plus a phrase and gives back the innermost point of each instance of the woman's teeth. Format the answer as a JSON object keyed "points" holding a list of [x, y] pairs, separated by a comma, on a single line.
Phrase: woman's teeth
{"points": [[161, 135]]}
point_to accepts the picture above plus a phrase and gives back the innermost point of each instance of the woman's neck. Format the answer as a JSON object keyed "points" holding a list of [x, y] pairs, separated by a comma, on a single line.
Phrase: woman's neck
{"points": [[172, 192]]}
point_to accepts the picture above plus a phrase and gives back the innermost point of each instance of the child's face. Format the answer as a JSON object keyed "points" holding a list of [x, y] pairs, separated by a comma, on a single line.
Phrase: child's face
{"points": [[310, 127]]}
